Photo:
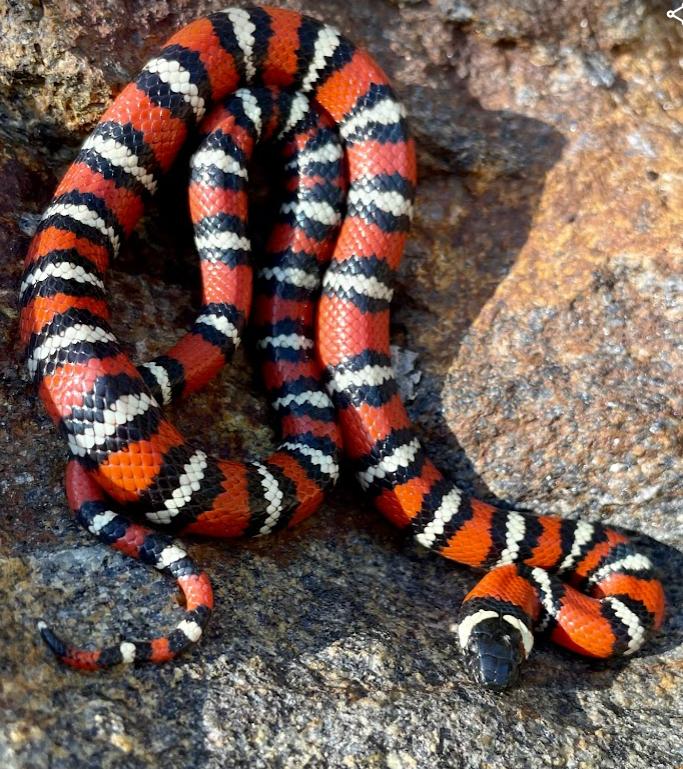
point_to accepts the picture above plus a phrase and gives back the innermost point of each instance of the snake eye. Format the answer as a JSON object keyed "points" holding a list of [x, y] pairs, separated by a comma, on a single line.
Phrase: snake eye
{"points": [[494, 652]]}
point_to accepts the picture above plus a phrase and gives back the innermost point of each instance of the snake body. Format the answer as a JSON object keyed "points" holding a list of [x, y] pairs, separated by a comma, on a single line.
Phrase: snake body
{"points": [[219, 204], [582, 582]]}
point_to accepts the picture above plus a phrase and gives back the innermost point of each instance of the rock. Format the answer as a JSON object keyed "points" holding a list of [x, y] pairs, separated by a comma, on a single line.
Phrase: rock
{"points": [[540, 300]]}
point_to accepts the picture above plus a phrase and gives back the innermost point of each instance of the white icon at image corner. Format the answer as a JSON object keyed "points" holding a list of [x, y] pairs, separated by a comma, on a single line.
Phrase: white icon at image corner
{"points": [[674, 14]]}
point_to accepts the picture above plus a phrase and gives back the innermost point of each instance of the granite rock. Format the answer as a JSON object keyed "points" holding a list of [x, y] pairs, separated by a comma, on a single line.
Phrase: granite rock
{"points": [[537, 322]]}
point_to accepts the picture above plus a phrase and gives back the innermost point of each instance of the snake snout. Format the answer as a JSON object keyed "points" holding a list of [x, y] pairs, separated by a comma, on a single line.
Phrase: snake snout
{"points": [[494, 653]]}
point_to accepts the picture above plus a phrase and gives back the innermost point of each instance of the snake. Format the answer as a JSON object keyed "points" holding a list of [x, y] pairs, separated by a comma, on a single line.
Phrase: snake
{"points": [[283, 318], [582, 583]]}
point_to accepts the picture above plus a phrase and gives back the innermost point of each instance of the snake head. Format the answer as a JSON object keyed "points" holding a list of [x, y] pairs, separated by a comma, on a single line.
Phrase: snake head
{"points": [[494, 649]]}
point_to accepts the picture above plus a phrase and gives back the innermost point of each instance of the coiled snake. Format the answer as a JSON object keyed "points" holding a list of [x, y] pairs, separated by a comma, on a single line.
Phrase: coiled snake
{"points": [[324, 365]]}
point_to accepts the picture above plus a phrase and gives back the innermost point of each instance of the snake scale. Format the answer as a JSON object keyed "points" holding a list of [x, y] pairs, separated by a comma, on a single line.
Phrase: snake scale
{"points": [[235, 77]]}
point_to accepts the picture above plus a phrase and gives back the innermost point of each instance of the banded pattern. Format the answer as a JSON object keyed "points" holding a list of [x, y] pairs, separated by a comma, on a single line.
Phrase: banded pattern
{"points": [[72, 351], [307, 457], [161, 551]]}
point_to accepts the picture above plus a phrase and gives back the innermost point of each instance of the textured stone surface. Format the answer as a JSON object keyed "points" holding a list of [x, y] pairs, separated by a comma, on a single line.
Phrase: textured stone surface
{"points": [[541, 292]]}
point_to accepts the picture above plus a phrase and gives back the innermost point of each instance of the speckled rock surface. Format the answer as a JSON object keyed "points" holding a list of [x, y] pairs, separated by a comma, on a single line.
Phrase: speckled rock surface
{"points": [[542, 295]]}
